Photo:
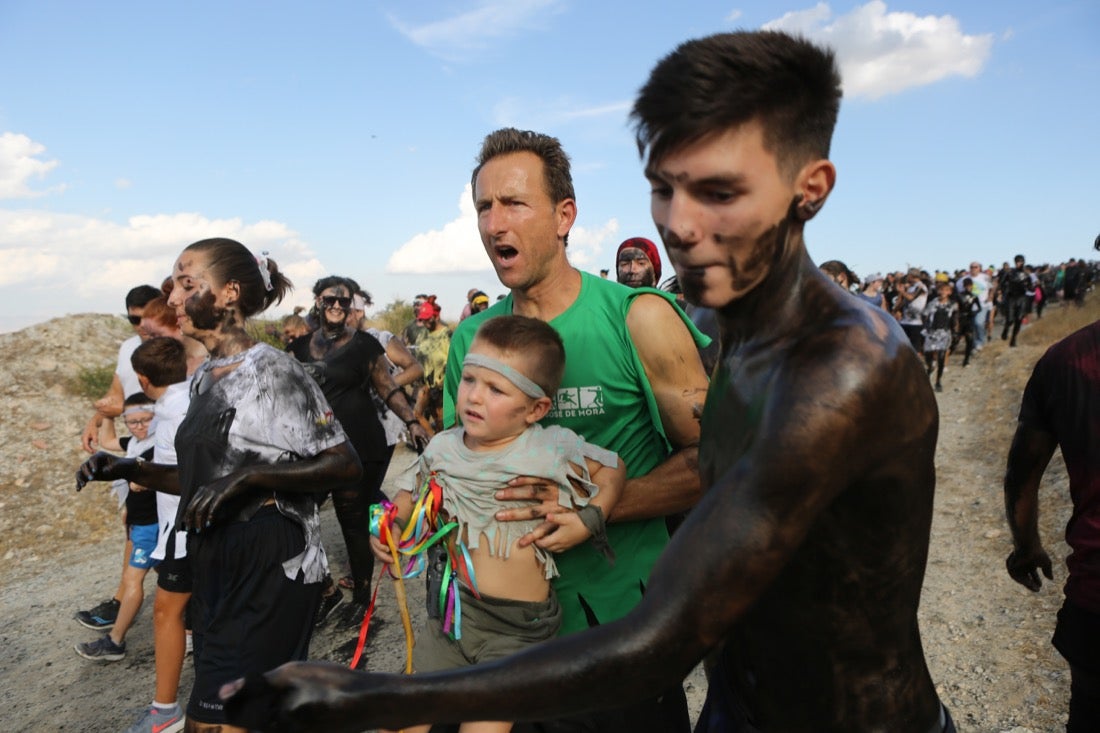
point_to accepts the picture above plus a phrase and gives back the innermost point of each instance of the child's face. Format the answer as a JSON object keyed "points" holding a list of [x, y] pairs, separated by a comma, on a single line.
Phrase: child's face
{"points": [[138, 423], [944, 290], [492, 409]]}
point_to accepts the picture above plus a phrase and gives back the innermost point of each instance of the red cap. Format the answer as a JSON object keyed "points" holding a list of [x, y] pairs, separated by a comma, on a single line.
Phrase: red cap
{"points": [[428, 309], [650, 250]]}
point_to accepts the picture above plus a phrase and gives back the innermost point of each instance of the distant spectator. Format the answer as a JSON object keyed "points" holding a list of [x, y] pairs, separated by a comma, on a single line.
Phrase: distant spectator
{"points": [[982, 288], [124, 381], [1039, 290], [1074, 282], [294, 326], [872, 290], [468, 307], [890, 290], [1015, 284], [969, 310], [638, 264], [431, 351], [941, 320], [839, 273], [479, 302], [912, 298], [414, 330]]}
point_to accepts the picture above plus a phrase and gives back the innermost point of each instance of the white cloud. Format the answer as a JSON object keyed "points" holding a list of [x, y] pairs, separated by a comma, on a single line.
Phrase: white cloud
{"points": [[454, 248], [123, 183], [733, 15], [884, 52], [548, 114], [19, 163], [586, 245], [457, 247], [455, 38], [25, 263], [88, 264]]}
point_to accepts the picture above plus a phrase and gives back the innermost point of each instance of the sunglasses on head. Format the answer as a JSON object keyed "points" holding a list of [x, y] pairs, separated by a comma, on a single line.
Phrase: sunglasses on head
{"points": [[134, 320], [331, 301]]}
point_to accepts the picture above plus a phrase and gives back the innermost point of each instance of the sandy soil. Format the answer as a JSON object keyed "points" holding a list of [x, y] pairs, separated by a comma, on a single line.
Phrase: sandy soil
{"points": [[986, 638]]}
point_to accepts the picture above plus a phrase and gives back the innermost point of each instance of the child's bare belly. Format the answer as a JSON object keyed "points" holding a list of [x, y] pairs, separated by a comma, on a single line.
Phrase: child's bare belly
{"points": [[518, 578]]}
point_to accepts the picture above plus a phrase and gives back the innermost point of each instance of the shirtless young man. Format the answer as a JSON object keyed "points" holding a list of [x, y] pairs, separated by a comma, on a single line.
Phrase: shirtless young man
{"points": [[799, 572]]}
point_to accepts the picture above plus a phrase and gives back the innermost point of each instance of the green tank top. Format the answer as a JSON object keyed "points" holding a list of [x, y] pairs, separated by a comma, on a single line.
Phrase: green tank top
{"points": [[606, 398]]}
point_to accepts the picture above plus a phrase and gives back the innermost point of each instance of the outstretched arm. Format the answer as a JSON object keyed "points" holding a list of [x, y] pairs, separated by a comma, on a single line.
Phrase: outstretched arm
{"points": [[398, 401], [107, 467], [1028, 458], [332, 466]]}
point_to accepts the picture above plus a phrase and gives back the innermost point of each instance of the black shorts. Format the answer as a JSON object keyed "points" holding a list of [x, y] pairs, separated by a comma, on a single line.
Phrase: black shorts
{"points": [[174, 573], [1077, 637], [248, 616]]}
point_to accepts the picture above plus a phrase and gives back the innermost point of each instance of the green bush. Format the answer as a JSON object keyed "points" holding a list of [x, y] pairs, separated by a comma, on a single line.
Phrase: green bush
{"points": [[93, 382], [393, 317], [269, 332]]}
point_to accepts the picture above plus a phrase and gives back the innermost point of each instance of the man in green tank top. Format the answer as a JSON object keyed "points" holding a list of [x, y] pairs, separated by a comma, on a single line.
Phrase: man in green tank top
{"points": [[633, 384]]}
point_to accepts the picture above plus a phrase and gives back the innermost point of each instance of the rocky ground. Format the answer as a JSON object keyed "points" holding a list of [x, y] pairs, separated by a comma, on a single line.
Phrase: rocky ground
{"points": [[986, 638]]}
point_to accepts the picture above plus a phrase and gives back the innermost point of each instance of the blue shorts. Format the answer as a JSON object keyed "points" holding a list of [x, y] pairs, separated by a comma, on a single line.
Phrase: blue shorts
{"points": [[143, 537]]}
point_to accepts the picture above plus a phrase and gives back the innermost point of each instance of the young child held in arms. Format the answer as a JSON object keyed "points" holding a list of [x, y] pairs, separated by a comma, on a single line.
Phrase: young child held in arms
{"points": [[509, 376], [140, 517]]}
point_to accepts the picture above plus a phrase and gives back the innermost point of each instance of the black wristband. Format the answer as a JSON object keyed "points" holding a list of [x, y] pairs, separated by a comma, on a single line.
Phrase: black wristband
{"points": [[391, 393], [414, 421]]}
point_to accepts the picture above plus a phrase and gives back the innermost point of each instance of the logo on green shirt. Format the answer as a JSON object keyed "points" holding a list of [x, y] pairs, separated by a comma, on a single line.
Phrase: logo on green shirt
{"points": [[577, 402]]}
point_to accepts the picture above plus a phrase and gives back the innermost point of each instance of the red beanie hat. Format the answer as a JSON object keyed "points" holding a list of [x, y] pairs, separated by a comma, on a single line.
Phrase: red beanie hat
{"points": [[650, 250], [428, 309]]}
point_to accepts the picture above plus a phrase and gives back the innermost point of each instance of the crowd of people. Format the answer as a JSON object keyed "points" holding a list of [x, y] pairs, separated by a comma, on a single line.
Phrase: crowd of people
{"points": [[592, 512], [946, 312]]}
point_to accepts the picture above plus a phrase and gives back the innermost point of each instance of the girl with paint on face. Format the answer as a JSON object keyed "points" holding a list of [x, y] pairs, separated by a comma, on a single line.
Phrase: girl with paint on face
{"points": [[258, 443]]}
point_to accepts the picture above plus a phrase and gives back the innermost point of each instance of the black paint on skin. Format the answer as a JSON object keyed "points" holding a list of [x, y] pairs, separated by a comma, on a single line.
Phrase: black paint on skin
{"points": [[204, 314]]}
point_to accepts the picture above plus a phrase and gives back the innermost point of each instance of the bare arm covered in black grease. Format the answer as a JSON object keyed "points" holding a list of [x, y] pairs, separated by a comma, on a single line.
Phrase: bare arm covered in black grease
{"points": [[336, 465]]}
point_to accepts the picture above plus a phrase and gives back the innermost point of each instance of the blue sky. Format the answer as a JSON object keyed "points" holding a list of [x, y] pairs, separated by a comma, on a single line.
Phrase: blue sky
{"points": [[340, 136]]}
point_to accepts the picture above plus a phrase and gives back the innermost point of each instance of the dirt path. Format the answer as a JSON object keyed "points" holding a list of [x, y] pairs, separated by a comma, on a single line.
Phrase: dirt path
{"points": [[986, 638]]}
